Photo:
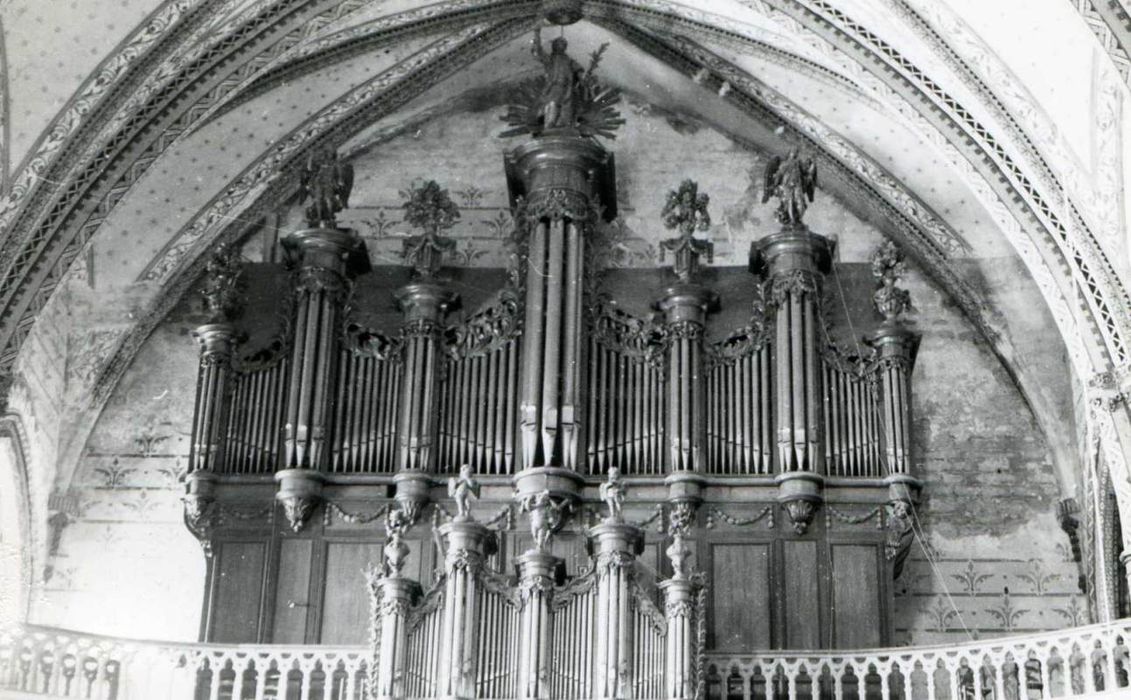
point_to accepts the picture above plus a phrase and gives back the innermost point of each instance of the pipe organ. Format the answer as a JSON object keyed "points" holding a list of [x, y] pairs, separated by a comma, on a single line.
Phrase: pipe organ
{"points": [[632, 445]]}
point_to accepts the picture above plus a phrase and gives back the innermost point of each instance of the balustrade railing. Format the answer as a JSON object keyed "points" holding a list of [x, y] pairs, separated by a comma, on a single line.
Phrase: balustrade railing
{"points": [[1082, 662]]}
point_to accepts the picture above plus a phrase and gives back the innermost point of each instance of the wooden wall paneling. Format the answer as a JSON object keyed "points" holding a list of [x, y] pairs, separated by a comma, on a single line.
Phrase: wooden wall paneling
{"points": [[740, 591], [239, 591], [857, 613], [292, 600], [345, 598], [801, 573]]}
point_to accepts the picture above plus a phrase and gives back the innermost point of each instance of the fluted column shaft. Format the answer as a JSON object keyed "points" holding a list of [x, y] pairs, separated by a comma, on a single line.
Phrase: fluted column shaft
{"points": [[616, 545], [323, 256], [895, 347], [467, 545], [395, 595], [536, 589], [679, 654], [685, 308], [424, 305], [794, 262], [217, 344]]}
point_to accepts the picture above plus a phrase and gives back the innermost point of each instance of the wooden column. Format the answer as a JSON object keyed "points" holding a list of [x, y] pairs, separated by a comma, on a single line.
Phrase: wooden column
{"points": [[537, 573], [394, 596], [467, 544], [794, 263], [616, 546]]}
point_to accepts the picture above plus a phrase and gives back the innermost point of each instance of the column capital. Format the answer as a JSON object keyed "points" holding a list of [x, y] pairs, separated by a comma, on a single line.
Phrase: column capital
{"points": [[687, 302], [616, 541], [426, 301], [215, 339], [337, 250], [794, 248]]}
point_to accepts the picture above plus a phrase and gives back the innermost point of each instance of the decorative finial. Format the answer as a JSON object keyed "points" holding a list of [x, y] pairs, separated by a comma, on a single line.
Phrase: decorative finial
{"points": [[429, 208], [395, 550], [686, 211], [793, 181], [222, 283], [568, 98], [327, 183], [888, 269], [462, 489], [612, 493], [547, 515]]}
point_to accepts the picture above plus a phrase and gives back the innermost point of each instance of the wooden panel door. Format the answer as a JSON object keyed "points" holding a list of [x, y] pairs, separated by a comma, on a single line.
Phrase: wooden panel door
{"points": [[345, 597], [740, 593], [238, 582], [800, 589], [292, 592], [857, 614]]}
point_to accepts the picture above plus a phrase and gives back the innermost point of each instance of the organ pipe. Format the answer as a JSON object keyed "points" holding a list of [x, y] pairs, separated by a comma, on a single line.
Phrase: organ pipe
{"points": [[536, 576], [217, 341], [467, 544]]}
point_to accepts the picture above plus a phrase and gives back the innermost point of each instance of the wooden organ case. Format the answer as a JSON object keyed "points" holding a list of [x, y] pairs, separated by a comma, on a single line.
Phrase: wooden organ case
{"points": [[748, 493]]}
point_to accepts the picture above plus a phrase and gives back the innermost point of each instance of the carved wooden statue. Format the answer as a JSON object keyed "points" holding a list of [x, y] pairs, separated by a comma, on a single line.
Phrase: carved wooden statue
{"points": [[546, 517], [462, 489], [326, 183], [612, 493], [793, 181], [560, 90]]}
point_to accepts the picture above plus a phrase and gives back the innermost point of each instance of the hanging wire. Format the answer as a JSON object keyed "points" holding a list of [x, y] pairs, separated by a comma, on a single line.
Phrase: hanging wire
{"points": [[916, 524]]}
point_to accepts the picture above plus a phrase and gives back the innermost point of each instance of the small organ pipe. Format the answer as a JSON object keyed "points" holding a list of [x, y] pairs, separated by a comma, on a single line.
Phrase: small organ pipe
{"points": [[685, 307]]}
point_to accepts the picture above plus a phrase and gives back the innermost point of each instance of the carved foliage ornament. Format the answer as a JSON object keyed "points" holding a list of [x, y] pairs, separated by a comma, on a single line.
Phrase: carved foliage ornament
{"points": [[297, 510], [685, 211], [487, 330], [900, 533], [429, 208], [781, 286], [223, 283], [888, 268], [801, 512]]}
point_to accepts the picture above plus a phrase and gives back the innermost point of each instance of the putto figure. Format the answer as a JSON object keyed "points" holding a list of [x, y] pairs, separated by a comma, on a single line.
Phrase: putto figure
{"points": [[326, 183], [612, 493], [462, 489], [560, 90], [793, 181], [546, 516]]}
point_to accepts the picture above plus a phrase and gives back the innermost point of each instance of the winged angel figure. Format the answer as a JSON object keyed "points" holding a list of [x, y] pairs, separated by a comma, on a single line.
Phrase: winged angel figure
{"points": [[326, 182], [793, 181]]}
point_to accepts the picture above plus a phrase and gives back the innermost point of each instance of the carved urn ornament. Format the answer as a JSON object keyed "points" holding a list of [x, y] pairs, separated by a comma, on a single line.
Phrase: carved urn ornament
{"points": [[395, 550]]}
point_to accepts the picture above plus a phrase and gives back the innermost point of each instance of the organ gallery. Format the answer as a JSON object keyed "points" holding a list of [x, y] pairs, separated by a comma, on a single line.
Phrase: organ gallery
{"points": [[566, 350]]}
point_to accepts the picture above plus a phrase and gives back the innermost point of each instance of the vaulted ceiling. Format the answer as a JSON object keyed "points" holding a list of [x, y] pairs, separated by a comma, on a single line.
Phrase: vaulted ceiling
{"points": [[139, 134]]}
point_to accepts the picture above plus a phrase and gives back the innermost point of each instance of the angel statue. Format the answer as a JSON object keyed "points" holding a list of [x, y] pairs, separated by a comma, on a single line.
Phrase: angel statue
{"points": [[612, 493], [546, 516], [794, 182], [462, 489], [326, 181]]}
